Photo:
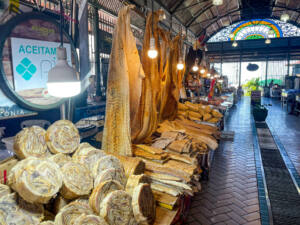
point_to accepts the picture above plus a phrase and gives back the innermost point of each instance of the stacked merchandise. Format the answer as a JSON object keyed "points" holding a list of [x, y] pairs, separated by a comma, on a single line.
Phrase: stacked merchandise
{"points": [[142, 119], [61, 181], [199, 112]]}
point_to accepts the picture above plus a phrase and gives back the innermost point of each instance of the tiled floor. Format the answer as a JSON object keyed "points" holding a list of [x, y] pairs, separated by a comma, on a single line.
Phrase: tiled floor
{"points": [[230, 196], [287, 128]]}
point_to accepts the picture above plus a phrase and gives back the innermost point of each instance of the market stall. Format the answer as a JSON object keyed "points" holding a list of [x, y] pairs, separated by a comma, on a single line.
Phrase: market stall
{"points": [[149, 151]]}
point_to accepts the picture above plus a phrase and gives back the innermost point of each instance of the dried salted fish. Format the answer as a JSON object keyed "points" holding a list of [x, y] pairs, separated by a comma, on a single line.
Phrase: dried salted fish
{"points": [[90, 220], [30, 141], [135, 180], [116, 208], [36, 180], [111, 174], [117, 132], [60, 159], [168, 190], [69, 213], [77, 180], [101, 191], [14, 211], [106, 162], [87, 155], [47, 223], [143, 204], [62, 137], [4, 190]]}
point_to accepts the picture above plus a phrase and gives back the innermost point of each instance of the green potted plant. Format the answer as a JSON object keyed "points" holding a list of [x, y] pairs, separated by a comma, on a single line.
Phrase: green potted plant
{"points": [[260, 113]]}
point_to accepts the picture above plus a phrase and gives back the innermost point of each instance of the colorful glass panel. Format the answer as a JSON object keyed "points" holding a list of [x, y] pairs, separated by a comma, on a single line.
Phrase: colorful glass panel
{"points": [[256, 29]]}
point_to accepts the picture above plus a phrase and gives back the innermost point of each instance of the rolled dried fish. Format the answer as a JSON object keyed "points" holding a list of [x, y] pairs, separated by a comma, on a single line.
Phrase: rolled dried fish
{"points": [[69, 213], [4, 190], [77, 180], [37, 180], [116, 208], [62, 137], [19, 212], [90, 220], [101, 191], [47, 223], [111, 174], [30, 141], [132, 165], [60, 159], [106, 162], [135, 180], [143, 204], [87, 155]]}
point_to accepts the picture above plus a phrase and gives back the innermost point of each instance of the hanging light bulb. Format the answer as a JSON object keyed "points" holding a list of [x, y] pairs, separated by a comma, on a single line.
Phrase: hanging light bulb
{"points": [[208, 74], [268, 41], [231, 35], [234, 44], [284, 17], [195, 68], [62, 78], [202, 71], [180, 64], [217, 2], [152, 52]]}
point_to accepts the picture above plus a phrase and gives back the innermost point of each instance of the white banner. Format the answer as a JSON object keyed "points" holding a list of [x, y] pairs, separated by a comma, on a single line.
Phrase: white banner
{"points": [[32, 61]]}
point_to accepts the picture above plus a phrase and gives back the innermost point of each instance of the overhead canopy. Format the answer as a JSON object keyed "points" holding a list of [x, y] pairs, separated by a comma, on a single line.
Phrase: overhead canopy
{"points": [[204, 18]]}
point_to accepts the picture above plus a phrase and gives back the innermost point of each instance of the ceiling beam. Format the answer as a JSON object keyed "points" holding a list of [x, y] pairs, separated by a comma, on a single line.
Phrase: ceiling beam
{"points": [[190, 6], [177, 6], [198, 14]]}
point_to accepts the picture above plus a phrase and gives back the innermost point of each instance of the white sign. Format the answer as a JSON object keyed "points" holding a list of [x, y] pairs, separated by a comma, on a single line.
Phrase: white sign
{"points": [[32, 61]]}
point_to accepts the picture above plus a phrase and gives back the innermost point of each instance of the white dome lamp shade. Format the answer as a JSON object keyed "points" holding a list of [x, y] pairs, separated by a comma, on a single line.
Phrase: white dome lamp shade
{"points": [[62, 78]]}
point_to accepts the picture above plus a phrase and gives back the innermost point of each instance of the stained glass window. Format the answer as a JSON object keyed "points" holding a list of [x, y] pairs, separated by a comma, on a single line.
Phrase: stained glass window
{"points": [[256, 29]]}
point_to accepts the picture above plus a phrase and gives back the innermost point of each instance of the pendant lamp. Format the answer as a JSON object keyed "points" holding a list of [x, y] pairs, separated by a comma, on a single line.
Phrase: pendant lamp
{"points": [[234, 44], [180, 64], [284, 17], [152, 52], [195, 68], [268, 41], [62, 78]]}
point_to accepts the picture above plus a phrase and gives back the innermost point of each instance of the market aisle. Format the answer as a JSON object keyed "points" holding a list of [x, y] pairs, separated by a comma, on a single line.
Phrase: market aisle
{"points": [[230, 196], [287, 128]]}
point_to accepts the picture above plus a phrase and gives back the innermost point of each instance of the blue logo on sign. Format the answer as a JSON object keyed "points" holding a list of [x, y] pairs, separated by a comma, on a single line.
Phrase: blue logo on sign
{"points": [[26, 69]]}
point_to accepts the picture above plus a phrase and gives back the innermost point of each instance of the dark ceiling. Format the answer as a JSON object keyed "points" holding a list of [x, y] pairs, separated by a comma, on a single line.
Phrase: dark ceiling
{"points": [[202, 17]]}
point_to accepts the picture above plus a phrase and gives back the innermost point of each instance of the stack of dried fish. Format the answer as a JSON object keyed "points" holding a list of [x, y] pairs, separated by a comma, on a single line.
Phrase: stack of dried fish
{"points": [[198, 112]]}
